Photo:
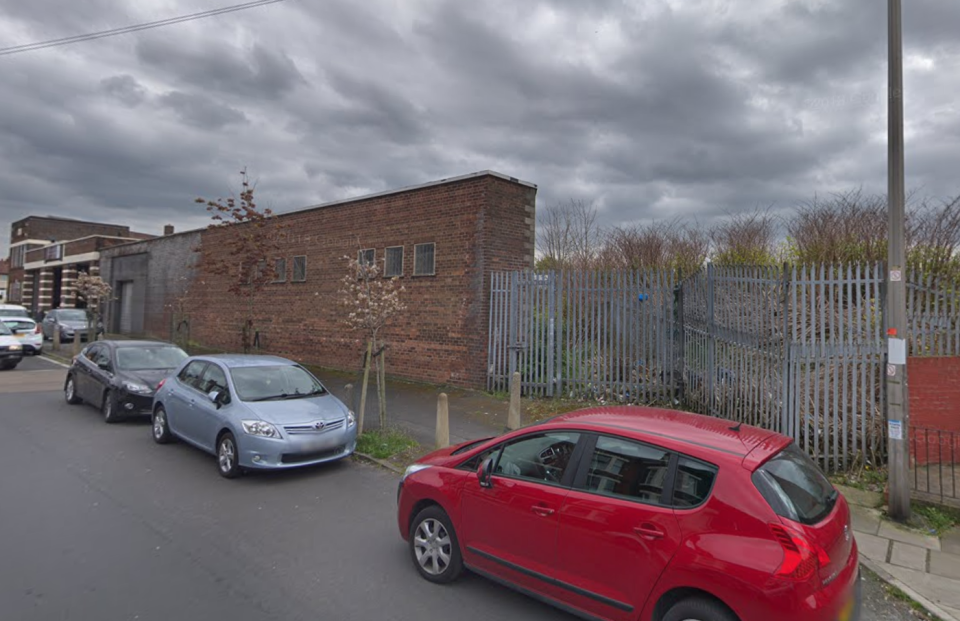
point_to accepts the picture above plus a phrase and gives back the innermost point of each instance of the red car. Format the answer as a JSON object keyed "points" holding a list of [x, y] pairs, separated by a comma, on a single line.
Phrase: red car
{"points": [[638, 513]]}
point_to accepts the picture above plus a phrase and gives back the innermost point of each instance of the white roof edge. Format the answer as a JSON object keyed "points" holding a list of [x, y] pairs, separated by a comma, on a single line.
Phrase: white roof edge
{"points": [[409, 188]]}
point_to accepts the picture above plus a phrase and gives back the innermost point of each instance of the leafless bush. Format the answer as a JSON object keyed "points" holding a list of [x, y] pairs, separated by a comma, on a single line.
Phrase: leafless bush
{"points": [[745, 239], [657, 246], [847, 227]]}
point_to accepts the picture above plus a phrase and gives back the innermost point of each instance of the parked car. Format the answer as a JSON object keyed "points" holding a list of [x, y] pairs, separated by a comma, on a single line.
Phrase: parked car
{"points": [[11, 351], [637, 513], [27, 331], [253, 412], [120, 377], [68, 321], [14, 310]]}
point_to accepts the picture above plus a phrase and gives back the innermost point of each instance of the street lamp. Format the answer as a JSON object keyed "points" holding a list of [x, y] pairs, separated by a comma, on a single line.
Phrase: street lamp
{"points": [[898, 414]]}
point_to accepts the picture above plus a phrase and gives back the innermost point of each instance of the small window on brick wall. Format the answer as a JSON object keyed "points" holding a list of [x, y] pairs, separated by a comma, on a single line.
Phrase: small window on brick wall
{"points": [[299, 269], [279, 270], [424, 260], [367, 258], [393, 262]]}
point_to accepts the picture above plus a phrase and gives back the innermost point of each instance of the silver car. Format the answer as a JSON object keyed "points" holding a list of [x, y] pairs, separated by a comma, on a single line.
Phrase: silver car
{"points": [[67, 321], [253, 412]]}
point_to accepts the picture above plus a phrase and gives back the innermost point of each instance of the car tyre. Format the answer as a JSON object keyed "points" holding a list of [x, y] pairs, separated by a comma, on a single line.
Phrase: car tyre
{"points": [[70, 391], [228, 456], [7, 366], [109, 408], [161, 426], [699, 609], [434, 546]]}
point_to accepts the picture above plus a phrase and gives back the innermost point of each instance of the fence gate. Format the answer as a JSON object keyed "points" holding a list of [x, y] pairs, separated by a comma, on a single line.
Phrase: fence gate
{"points": [[606, 335], [733, 347]]}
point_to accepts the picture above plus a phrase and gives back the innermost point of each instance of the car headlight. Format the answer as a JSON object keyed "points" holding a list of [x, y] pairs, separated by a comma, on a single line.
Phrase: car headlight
{"points": [[140, 389], [351, 419], [260, 428], [15, 347], [413, 468]]}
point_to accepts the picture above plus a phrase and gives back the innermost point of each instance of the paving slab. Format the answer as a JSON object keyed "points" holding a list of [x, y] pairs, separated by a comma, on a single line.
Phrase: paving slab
{"points": [[941, 591], [944, 564], [873, 547], [950, 542], [906, 555], [861, 497], [890, 531], [865, 520]]}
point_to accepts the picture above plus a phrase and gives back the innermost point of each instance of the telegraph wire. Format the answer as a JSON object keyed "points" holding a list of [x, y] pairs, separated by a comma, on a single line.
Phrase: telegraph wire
{"points": [[40, 45]]}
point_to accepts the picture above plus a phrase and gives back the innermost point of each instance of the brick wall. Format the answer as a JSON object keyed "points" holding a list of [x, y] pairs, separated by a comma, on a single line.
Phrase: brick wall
{"points": [[160, 269], [479, 223], [934, 385], [56, 229]]}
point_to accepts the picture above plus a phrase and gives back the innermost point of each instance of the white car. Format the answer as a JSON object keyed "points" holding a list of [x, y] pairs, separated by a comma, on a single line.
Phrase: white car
{"points": [[11, 351], [28, 331]]}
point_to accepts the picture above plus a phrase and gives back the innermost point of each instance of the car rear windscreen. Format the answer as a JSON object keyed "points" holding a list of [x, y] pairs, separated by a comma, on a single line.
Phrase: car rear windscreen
{"points": [[794, 487]]}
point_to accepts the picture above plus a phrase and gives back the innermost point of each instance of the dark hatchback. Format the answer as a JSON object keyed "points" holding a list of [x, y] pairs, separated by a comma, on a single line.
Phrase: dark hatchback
{"points": [[120, 377]]}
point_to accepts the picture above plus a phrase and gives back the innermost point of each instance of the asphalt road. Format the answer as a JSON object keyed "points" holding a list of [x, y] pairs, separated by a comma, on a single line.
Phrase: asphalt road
{"points": [[98, 522]]}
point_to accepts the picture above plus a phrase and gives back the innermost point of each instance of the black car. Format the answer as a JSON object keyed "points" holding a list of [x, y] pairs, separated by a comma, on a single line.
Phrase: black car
{"points": [[120, 377]]}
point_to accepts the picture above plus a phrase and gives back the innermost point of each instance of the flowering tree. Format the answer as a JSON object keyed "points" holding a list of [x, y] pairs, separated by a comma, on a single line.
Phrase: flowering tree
{"points": [[370, 301], [244, 251], [94, 291]]}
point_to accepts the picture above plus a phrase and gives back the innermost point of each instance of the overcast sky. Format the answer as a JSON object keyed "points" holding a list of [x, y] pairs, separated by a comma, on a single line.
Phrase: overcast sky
{"points": [[651, 109]]}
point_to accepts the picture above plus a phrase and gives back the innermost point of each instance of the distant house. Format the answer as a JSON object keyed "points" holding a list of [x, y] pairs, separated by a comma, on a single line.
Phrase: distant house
{"points": [[47, 253]]}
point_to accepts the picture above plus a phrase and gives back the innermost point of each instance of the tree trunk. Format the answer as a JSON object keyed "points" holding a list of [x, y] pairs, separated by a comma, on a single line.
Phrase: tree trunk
{"points": [[382, 386], [363, 387]]}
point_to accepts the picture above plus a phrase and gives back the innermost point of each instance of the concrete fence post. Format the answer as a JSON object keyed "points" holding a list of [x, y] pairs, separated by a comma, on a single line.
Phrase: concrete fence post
{"points": [[443, 421], [348, 396], [56, 339], [513, 417], [76, 342]]}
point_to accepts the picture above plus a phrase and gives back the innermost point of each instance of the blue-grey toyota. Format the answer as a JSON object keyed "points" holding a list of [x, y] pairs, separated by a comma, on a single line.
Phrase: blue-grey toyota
{"points": [[253, 412]]}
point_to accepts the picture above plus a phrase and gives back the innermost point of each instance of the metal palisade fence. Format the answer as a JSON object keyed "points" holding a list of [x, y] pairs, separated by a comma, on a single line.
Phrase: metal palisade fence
{"points": [[799, 350]]}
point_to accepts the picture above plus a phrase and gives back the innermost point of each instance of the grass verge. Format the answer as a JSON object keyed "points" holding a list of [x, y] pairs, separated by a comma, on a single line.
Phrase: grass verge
{"points": [[894, 593], [386, 443]]}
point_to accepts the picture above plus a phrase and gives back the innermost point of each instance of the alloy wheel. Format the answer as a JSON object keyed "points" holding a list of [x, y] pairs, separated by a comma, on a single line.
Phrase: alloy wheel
{"points": [[432, 546]]}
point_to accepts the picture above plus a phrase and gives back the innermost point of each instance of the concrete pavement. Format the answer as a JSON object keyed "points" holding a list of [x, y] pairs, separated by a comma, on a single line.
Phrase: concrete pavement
{"points": [[924, 566]]}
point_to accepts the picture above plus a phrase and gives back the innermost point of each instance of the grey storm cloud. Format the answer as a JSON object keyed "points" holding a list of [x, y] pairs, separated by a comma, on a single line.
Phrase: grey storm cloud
{"points": [[666, 108]]}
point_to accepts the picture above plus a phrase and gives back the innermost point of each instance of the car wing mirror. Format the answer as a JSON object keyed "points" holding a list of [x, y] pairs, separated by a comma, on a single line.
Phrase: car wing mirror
{"points": [[104, 365], [485, 473], [214, 396]]}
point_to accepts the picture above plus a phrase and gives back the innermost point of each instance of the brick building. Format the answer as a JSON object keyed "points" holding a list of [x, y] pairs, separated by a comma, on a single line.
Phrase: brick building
{"points": [[4, 278], [47, 254], [443, 239]]}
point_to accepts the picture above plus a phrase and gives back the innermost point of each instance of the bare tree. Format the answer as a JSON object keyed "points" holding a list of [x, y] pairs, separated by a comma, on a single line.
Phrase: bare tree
{"points": [[933, 238], [745, 239], [568, 236], [95, 292], [244, 250]]}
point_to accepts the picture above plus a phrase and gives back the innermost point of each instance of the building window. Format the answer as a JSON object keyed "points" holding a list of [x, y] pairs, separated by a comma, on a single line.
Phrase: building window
{"points": [[393, 262], [15, 291], [299, 269], [279, 270], [367, 258], [17, 256], [53, 252], [424, 260]]}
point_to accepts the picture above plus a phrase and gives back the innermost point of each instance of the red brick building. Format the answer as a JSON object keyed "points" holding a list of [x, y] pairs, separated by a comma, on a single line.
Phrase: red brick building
{"points": [[47, 254], [443, 239]]}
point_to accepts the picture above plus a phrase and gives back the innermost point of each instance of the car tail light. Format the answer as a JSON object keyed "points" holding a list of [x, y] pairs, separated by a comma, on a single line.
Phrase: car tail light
{"points": [[38, 329], [160, 385], [801, 558]]}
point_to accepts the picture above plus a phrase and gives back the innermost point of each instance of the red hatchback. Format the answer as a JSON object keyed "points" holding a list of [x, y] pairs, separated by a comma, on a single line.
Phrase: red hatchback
{"points": [[637, 513]]}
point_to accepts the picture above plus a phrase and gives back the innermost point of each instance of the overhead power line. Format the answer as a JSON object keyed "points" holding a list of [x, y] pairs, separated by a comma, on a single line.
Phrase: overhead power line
{"points": [[29, 47]]}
